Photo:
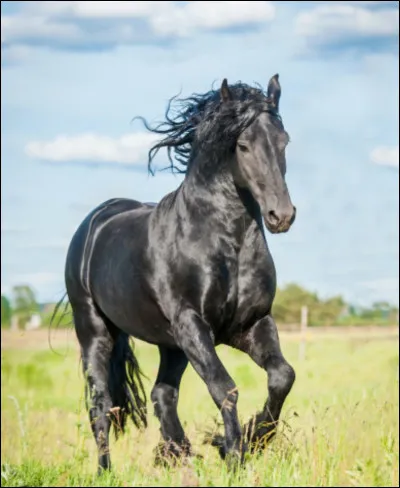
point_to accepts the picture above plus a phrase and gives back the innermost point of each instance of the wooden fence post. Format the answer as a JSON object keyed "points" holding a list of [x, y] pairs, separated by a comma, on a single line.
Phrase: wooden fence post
{"points": [[14, 323], [303, 332]]}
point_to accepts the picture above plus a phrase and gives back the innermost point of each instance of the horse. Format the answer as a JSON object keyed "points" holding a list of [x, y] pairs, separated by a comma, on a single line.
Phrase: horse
{"points": [[189, 273]]}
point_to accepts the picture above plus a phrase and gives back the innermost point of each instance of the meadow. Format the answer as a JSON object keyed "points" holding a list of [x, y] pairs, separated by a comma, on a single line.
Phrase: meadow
{"points": [[339, 424]]}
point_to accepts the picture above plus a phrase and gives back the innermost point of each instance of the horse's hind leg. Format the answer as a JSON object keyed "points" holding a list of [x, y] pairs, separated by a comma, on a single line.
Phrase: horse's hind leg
{"points": [[164, 396], [97, 342]]}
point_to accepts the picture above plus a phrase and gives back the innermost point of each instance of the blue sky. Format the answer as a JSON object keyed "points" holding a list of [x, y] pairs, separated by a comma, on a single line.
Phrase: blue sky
{"points": [[74, 74]]}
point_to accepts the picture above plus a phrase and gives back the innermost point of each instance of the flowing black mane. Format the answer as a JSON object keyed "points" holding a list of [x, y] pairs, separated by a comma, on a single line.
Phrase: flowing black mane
{"points": [[203, 118]]}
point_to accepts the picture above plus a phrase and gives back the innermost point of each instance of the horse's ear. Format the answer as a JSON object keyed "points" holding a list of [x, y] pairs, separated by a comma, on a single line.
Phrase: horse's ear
{"points": [[274, 91], [225, 92]]}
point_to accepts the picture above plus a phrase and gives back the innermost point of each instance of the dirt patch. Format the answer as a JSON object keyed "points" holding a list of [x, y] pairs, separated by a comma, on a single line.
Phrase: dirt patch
{"points": [[38, 339]]}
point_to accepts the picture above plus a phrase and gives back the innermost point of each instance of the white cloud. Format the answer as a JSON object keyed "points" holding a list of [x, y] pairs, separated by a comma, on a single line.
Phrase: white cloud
{"points": [[16, 27], [334, 20], [211, 15], [16, 53], [386, 156], [360, 2], [127, 149], [98, 9], [95, 24], [207, 14]]}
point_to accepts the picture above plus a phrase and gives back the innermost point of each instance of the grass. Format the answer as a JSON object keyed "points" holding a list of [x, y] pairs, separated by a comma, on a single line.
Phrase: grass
{"points": [[340, 422]]}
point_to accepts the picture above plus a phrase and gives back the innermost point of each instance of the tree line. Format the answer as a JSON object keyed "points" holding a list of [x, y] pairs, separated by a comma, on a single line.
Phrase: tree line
{"points": [[22, 304]]}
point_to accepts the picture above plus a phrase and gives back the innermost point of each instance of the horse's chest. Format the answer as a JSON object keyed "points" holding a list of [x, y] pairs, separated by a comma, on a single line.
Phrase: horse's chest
{"points": [[241, 292], [256, 288], [225, 289], [218, 295]]}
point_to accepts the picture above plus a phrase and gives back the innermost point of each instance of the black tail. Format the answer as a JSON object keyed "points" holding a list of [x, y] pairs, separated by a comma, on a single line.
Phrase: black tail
{"points": [[126, 386], [67, 312]]}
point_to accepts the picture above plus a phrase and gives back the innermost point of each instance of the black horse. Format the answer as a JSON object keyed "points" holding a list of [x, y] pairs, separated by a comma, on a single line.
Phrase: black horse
{"points": [[189, 273]]}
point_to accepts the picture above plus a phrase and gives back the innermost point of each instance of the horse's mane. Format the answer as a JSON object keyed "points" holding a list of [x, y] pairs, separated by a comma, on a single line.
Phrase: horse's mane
{"points": [[196, 117]]}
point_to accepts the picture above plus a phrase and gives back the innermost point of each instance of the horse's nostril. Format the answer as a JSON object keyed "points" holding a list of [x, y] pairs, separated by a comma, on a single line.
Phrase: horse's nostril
{"points": [[273, 218]]}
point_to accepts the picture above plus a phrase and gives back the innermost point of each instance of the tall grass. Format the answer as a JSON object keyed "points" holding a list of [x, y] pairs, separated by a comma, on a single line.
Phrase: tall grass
{"points": [[340, 422]]}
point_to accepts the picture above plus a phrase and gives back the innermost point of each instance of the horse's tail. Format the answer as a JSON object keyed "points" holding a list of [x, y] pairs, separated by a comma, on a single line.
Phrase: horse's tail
{"points": [[66, 312], [57, 308], [126, 387]]}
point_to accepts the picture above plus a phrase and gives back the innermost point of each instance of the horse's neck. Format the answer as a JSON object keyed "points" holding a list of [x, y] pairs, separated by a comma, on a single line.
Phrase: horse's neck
{"points": [[215, 205]]}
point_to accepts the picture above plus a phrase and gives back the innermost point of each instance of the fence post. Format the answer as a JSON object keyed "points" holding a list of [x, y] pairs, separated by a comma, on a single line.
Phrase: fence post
{"points": [[303, 332], [14, 326]]}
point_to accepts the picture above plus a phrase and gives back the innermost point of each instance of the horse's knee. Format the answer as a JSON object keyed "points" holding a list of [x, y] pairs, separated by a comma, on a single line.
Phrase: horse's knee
{"points": [[228, 399], [281, 379], [233, 395]]}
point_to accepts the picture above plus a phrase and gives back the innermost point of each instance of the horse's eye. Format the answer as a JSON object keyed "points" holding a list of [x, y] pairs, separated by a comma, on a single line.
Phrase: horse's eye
{"points": [[243, 147]]}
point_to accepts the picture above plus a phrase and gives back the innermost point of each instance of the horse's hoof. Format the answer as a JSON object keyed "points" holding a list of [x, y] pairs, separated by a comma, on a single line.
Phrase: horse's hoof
{"points": [[169, 453], [259, 443], [101, 471], [216, 440], [234, 460]]}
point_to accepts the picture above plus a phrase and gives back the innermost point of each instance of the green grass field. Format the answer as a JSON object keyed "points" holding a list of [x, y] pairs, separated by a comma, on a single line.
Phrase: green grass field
{"points": [[340, 422]]}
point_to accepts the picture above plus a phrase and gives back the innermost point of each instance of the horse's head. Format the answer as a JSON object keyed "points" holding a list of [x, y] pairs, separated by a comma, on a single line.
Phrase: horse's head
{"points": [[260, 162]]}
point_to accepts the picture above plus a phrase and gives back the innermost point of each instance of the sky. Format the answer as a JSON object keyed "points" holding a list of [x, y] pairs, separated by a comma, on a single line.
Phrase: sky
{"points": [[75, 73]]}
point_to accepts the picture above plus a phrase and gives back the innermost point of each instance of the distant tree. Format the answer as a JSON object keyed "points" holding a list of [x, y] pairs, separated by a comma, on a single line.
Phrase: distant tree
{"points": [[24, 303], [382, 309], [288, 303], [327, 312], [5, 311], [290, 299]]}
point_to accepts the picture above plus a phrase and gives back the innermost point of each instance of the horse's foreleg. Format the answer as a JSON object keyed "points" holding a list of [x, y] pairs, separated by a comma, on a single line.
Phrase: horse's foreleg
{"points": [[261, 343], [194, 337]]}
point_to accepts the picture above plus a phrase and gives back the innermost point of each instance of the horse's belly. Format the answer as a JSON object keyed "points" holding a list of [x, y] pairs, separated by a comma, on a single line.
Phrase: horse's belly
{"points": [[139, 317]]}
